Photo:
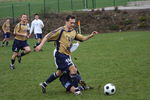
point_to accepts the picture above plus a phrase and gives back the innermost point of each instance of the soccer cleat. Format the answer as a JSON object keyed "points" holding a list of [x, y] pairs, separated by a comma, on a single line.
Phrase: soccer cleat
{"points": [[43, 88], [82, 83], [2, 45], [85, 86], [12, 66], [34, 46], [88, 87], [19, 58], [78, 93]]}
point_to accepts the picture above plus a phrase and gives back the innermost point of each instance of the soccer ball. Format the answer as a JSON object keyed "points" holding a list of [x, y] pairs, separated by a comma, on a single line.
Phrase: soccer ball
{"points": [[109, 89]]}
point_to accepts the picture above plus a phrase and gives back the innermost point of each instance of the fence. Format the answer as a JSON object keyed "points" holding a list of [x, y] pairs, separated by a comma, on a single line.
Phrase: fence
{"points": [[14, 9]]}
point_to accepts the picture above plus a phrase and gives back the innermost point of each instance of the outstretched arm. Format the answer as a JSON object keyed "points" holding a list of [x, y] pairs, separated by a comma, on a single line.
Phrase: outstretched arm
{"points": [[39, 47], [83, 38]]}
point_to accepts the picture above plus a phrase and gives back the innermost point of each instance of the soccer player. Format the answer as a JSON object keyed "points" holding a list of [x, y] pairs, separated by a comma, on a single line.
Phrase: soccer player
{"points": [[72, 85], [63, 38], [36, 27], [6, 30], [20, 41]]}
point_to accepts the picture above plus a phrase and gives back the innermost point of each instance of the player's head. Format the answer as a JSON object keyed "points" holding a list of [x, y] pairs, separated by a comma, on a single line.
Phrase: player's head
{"points": [[8, 21], [24, 18], [36, 16], [70, 21]]}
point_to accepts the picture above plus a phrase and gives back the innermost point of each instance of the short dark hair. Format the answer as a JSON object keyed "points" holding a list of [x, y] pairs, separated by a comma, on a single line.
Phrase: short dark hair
{"points": [[22, 15], [70, 17], [36, 14]]}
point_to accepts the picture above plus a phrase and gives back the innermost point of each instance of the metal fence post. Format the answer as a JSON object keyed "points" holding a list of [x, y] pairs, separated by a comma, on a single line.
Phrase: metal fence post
{"points": [[87, 4], [58, 6], [93, 4], [29, 11], [114, 2], [71, 5], [13, 15], [44, 7]]}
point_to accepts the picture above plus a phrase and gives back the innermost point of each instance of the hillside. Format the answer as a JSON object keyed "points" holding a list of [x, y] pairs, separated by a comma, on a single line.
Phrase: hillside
{"points": [[102, 21]]}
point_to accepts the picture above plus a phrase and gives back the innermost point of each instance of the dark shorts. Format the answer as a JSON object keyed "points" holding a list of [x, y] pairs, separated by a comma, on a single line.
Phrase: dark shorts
{"points": [[37, 36], [6, 35], [18, 44], [67, 82], [63, 61]]}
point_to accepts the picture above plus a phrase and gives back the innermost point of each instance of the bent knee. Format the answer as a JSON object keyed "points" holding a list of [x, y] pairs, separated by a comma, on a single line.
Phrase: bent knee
{"points": [[73, 70], [59, 73], [27, 50]]}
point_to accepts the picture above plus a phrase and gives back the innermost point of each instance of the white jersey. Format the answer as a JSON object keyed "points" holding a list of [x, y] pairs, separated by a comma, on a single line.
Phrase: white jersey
{"points": [[36, 26]]}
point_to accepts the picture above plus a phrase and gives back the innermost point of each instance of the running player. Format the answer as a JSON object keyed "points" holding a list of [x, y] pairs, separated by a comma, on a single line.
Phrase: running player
{"points": [[20, 41], [6, 30]]}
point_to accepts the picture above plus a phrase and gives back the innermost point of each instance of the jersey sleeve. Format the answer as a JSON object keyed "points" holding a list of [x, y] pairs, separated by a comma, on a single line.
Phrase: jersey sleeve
{"points": [[53, 36], [79, 37], [3, 27], [17, 28], [32, 26]]}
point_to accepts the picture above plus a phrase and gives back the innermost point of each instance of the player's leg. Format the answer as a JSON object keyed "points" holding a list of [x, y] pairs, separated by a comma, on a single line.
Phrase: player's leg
{"points": [[26, 49], [15, 49], [50, 79], [7, 39], [7, 43], [38, 37], [54, 76], [4, 40], [75, 90], [70, 85], [13, 58]]}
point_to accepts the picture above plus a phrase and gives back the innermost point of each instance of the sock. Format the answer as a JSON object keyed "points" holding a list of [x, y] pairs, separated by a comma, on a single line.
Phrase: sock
{"points": [[7, 43], [22, 54], [12, 61], [37, 44], [3, 43], [51, 78], [81, 88], [45, 84]]}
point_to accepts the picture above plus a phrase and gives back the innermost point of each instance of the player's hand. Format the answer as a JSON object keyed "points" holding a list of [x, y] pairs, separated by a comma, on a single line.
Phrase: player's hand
{"points": [[25, 35], [28, 36], [38, 48], [94, 33]]}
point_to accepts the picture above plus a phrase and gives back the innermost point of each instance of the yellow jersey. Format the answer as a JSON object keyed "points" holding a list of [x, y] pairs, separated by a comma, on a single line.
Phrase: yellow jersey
{"points": [[6, 27], [64, 39], [21, 28]]}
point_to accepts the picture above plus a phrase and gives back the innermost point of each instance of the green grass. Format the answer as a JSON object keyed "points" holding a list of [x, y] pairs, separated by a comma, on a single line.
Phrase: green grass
{"points": [[23, 6], [120, 58]]}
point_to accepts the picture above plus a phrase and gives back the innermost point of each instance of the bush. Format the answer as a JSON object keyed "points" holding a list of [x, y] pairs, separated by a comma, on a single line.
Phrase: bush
{"points": [[114, 27], [142, 25], [142, 18], [127, 21]]}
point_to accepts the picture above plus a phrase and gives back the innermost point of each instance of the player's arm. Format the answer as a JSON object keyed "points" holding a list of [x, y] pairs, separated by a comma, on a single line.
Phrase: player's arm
{"points": [[3, 27], [45, 39], [53, 35], [42, 24], [39, 47], [31, 29], [84, 38], [16, 31]]}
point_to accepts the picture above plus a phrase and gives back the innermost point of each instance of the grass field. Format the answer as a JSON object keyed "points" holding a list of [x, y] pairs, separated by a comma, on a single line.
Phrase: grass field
{"points": [[120, 58], [22, 6]]}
